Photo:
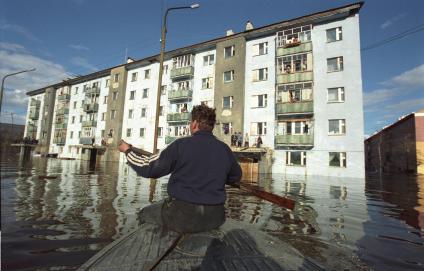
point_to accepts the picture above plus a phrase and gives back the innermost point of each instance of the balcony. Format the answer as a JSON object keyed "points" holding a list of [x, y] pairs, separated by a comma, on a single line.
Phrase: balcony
{"points": [[285, 78], [178, 117], [295, 108], [86, 141], [33, 114], [92, 91], [170, 139], [182, 72], [31, 128], [35, 103], [64, 97], [294, 140], [91, 107], [295, 48], [89, 123], [62, 111], [184, 94], [59, 140]]}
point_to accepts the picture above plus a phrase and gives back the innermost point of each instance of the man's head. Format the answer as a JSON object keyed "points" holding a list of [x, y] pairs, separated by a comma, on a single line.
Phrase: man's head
{"points": [[202, 118]]}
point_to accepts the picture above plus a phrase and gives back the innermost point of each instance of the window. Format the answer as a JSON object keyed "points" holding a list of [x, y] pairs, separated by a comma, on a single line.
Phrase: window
{"points": [[227, 102], [184, 85], [105, 99], [75, 105], [227, 128], [228, 76], [296, 158], [259, 100], [103, 116], [337, 159], [71, 135], [111, 132], [229, 51], [102, 134], [107, 82], [260, 74], [145, 93], [337, 127], [208, 60], [183, 61], [163, 90], [79, 134], [129, 130], [336, 95], [334, 34], [130, 113], [292, 93], [134, 76], [143, 112], [76, 90], [207, 83], [290, 37], [115, 95], [142, 132], [81, 118], [260, 49], [116, 78], [293, 63], [73, 119], [335, 64], [112, 114], [302, 127], [258, 128], [84, 88], [160, 131], [161, 110], [165, 69], [147, 74], [132, 95]]}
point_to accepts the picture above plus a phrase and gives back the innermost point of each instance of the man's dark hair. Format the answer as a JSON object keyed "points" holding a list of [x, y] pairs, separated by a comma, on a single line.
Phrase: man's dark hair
{"points": [[205, 116]]}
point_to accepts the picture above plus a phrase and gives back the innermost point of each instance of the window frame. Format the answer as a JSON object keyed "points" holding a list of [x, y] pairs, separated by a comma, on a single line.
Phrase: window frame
{"points": [[341, 95], [231, 102], [231, 75], [339, 34], [342, 157], [209, 60], [232, 51], [341, 127], [340, 64], [303, 160]]}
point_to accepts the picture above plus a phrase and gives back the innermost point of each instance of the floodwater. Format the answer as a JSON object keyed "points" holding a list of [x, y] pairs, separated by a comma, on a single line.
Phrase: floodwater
{"points": [[56, 214]]}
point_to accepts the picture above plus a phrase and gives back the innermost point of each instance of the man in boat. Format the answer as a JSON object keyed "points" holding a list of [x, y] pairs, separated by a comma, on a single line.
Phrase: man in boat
{"points": [[200, 165]]}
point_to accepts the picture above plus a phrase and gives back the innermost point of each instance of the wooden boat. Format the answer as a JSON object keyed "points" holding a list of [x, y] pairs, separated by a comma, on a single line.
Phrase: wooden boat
{"points": [[234, 246]]}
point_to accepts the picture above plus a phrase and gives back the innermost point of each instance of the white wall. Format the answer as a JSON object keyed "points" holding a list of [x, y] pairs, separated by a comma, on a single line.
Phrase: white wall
{"points": [[200, 72]]}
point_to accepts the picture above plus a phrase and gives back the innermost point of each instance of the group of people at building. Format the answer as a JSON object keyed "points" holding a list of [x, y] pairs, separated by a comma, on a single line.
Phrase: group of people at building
{"points": [[237, 140]]}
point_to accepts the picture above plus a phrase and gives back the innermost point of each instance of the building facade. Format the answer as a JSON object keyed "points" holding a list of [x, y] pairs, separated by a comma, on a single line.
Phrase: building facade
{"points": [[294, 84]]}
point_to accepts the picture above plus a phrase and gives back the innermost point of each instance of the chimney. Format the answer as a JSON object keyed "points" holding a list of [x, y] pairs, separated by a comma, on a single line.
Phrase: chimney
{"points": [[249, 25], [230, 32], [129, 60]]}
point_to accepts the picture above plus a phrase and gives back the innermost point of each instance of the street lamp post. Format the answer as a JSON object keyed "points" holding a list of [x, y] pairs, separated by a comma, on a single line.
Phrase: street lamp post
{"points": [[4, 78], [161, 56]]}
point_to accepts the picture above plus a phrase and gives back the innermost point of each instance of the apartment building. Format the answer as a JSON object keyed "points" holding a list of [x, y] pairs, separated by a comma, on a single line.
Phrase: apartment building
{"points": [[296, 84]]}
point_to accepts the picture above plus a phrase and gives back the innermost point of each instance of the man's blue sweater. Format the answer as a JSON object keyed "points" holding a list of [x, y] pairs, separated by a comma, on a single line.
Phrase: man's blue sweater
{"points": [[200, 166]]}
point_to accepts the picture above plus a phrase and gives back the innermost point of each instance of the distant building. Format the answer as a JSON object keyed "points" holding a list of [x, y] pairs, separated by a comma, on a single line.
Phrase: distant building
{"points": [[296, 84], [10, 133], [398, 148]]}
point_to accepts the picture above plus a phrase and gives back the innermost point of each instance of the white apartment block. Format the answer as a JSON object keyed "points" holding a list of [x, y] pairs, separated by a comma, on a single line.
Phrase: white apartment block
{"points": [[296, 84]]}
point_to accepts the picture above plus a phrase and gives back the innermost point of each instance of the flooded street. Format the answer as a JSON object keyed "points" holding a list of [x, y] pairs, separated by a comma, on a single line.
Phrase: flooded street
{"points": [[56, 214]]}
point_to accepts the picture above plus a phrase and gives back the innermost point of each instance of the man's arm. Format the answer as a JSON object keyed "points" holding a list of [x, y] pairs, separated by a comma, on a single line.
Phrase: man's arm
{"points": [[235, 173], [154, 166]]}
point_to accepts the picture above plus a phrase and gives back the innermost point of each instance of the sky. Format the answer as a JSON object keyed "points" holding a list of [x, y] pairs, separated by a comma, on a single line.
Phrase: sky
{"points": [[65, 38]]}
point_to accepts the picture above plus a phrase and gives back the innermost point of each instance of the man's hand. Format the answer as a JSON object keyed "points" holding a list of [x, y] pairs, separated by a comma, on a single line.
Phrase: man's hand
{"points": [[123, 146]]}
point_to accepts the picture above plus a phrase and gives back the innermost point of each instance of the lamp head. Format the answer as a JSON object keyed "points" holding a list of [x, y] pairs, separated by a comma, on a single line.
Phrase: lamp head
{"points": [[193, 6]]}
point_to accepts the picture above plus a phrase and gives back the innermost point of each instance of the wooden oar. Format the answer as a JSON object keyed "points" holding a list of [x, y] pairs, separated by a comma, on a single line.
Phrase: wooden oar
{"points": [[260, 193]]}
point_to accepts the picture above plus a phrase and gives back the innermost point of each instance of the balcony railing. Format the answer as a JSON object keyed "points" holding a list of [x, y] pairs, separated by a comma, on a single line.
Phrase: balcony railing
{"points": [[295, 48], [183, 94], [59, 140], [293, 108], [178, 117], [182, 72], [34, 114], [64, 97], [91, 107], [170, 139], [92, 91], [86, 141], [285, 78], [89, 123], [62, 111], [35, 103], [294, 140], [61, 125]]}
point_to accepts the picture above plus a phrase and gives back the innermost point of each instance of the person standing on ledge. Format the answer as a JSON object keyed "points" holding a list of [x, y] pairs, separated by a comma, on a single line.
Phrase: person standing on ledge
{"points": [[200, 166]]}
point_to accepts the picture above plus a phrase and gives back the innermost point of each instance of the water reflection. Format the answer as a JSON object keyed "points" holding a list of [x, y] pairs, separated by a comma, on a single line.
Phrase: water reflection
{"points": [[58, 213]]}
